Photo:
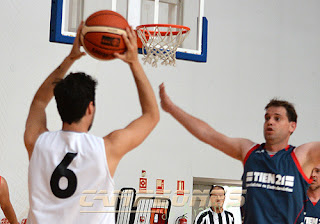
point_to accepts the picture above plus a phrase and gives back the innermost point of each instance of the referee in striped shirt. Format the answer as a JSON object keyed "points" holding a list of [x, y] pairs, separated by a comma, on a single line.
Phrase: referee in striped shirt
{"points": [[215, 214]]}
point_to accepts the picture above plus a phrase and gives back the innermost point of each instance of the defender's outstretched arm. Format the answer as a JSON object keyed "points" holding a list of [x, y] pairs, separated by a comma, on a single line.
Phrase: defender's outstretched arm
{"points": [[235, 147]]}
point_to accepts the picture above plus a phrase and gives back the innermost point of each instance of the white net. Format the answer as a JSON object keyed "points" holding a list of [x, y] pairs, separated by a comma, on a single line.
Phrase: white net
{"points": [[161, 42]]}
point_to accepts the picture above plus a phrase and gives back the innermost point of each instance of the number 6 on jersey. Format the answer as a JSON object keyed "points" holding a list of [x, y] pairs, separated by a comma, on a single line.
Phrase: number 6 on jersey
{"points": [[62, 171]]}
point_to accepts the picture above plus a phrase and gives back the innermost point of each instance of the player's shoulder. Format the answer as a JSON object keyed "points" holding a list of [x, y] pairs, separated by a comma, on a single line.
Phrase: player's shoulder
{"points": [[45, 135], [306, 146], [250, 149], [67, 134], [95, 138], [84, 137], [308, 154]]}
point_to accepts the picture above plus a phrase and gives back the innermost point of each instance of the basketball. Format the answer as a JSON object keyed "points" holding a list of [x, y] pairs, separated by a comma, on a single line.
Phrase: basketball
{"points": [[101, 35]]}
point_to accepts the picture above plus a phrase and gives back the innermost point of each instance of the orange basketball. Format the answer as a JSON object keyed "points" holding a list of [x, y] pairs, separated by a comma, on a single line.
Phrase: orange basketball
{"points": [[101, 35]]}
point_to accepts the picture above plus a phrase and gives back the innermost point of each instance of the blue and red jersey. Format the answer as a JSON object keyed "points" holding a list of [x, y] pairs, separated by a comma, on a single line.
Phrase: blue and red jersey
{"points": [[312, 213], [274, 187]]}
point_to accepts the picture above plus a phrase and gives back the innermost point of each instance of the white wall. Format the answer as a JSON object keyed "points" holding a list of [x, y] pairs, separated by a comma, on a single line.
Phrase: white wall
{"points": [[257, 49]]}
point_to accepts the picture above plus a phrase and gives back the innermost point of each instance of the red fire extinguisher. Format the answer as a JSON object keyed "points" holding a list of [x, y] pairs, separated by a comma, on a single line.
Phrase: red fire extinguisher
{"points": [[182, 219]]}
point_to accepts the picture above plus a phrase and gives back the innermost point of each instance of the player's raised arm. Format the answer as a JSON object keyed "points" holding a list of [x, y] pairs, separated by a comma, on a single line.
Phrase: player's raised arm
{"points": [[36, 121], [119, 142], [308, 156], [234, 147], [5, 203]]}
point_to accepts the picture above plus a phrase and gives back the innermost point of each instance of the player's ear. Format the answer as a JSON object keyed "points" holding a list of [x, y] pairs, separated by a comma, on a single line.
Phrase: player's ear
{"points": [[90, 108], [292, 126]]}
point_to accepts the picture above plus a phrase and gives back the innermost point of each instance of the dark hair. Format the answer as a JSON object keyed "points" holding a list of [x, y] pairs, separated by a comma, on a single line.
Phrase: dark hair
{"points": [[291, 112], [73, 95], [216, 186]]}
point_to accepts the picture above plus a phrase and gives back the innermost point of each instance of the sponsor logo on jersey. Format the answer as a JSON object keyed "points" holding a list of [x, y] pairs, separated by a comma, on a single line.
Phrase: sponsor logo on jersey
{"points": [[270, 181], [311, 220]]}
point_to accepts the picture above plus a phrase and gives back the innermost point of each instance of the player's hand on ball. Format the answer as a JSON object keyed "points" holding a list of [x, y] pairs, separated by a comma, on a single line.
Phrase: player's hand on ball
{"points": [[76, 53], [131, 55]]}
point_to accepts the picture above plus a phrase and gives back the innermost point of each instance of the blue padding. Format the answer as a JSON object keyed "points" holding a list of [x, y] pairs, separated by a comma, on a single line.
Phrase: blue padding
{"points": [[196, 57], [56, 24]]}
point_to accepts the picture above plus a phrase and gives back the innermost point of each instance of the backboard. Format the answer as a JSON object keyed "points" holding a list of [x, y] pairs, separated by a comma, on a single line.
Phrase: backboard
{"points": [[67, 14]]}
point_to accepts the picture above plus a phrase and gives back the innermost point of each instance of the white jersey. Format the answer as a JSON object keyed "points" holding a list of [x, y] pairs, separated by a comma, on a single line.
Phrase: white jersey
{"points": [[69, 180], [208, 216]]}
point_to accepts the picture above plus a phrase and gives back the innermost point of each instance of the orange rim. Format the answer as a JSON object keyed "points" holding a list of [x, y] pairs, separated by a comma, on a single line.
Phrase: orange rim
{"points": [[184, 29], [139, 42]]}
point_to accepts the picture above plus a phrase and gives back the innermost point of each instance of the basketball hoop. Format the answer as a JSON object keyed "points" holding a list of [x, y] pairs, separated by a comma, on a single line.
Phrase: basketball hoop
{"points": [[161, 41]]}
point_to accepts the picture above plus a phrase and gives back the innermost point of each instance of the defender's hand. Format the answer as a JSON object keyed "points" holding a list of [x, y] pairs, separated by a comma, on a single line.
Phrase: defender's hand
{"points": [[166, 103]]}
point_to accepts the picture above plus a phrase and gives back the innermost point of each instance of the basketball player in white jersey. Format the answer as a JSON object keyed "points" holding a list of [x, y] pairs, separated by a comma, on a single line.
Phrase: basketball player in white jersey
{"points": [[67, 163]]}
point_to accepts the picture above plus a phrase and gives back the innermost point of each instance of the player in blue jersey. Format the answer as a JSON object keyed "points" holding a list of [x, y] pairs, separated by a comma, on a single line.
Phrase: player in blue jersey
{"points": [[275, 174], [312, 215]]}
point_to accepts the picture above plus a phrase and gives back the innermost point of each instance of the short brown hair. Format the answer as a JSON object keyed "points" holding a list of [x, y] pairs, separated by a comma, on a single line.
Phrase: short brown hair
{"points": [[216, 186], [291, 112]]}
